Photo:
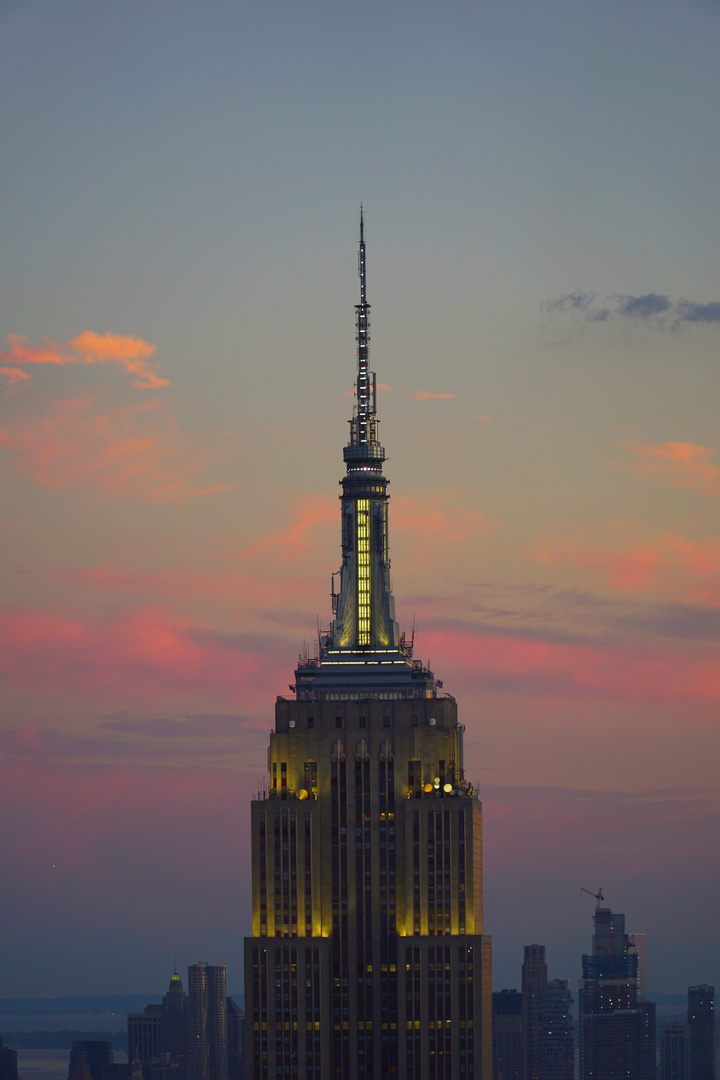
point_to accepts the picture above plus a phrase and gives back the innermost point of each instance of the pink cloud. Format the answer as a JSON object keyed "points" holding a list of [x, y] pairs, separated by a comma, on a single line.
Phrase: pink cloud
{"points": [[146, 651], [130, 449], [133, 354], [522, 664], [252, 593], [632, 569], [683, 567], [294, 540], [426, 395], [679, 464], [444, 515], [14, 374]]}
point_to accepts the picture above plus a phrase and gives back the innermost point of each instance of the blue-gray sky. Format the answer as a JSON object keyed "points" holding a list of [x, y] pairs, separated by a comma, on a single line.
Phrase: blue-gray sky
{"points": [[180, 192]]}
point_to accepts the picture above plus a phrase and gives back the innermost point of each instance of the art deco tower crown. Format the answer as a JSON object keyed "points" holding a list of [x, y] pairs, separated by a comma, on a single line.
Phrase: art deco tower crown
{"points": [[364, 651]]}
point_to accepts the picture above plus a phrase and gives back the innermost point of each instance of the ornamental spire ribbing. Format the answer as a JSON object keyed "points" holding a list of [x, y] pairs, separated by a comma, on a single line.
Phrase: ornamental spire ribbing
{"points": [[363, 426], [363, 653]]}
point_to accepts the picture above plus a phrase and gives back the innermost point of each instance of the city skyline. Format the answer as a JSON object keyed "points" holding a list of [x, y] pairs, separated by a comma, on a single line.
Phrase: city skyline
{"points": [[181, 195]]}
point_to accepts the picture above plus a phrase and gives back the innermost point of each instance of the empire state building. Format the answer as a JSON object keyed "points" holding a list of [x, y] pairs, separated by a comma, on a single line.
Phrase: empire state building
{"points": [[368, 957]]}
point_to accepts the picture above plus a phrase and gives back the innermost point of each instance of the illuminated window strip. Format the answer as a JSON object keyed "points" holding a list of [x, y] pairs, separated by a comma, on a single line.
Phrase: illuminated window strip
{"points": [[363, 571]]}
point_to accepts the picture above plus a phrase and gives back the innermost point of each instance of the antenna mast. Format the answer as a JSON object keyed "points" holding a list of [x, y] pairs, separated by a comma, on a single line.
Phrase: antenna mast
{"points": [[365, 380]]}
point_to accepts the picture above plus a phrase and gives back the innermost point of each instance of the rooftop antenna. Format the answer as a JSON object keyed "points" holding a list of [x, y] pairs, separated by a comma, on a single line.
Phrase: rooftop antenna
{"points": [[365, 382]]}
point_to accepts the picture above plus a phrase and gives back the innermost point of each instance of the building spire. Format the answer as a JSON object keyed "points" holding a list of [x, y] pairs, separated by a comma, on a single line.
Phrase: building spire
{"points": [[365, 429], [363, 652]]}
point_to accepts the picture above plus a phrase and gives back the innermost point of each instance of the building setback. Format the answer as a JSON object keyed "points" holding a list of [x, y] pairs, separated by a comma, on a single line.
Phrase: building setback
{"points": [[368, 957]]}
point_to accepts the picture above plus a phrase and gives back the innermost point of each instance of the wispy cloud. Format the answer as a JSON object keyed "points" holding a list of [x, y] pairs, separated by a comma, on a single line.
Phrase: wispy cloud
{"points": [[630, 568], [427, 395], [438, 514], [202, 727], [679, 464], [669, 564], [561, 614], [133, 449], [486, 661], [656, 309], [131, 353], [295, 540], [13, 374], [143, 652]]}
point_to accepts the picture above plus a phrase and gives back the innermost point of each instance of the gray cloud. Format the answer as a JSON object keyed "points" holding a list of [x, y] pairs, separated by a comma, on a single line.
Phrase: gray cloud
{"points": [[642, 307], [693, 312], [682, 621], [577, 301], [142, 740], [190, 727], [654, 308]]}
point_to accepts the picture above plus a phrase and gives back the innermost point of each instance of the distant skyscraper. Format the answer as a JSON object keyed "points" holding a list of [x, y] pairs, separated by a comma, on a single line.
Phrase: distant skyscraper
{"points": [[95, 1054], [555, 1052], [175, 1012], [673, 1050], [162, 1030], [701, 1033], [507, 1037], [617, 1032], [368, 957], [208, 1047], [534, 977]]}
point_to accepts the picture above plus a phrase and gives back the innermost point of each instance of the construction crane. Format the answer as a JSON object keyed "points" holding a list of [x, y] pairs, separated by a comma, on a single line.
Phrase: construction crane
{"points": [[598, 895]]}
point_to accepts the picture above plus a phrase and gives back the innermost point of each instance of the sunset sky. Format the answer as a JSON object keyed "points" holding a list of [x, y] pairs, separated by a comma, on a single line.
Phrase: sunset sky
{"points": [[180, 188]]}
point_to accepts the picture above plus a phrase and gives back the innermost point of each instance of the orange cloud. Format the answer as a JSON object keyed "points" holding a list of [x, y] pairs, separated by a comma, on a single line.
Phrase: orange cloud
{"points": [[444, 516], [14, 374], [427, 529], [252, 594], [688, 568], [294, 539], [135, 449], [680, 464], [131, 353], [426, 395]]}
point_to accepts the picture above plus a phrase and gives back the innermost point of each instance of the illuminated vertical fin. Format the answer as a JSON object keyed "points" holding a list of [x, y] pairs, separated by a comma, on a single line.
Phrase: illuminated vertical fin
{"points": [[364, 596]]}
